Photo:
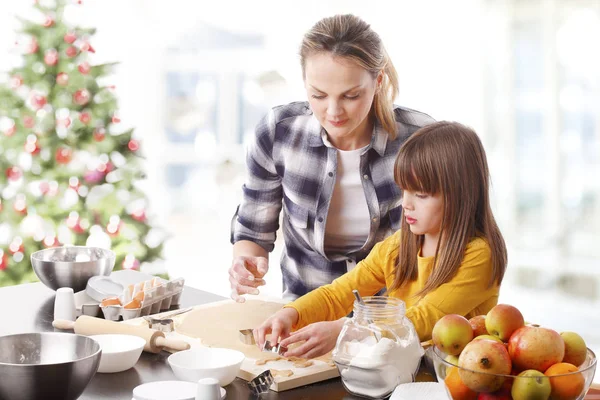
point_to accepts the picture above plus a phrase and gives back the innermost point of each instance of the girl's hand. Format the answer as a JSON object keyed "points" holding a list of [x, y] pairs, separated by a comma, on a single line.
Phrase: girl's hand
{"points": [[279, 325], [246, 275], [320, 339]]}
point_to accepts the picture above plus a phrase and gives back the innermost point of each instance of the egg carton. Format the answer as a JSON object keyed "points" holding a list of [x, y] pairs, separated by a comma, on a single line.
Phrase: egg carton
{"points": [[143, 298]]}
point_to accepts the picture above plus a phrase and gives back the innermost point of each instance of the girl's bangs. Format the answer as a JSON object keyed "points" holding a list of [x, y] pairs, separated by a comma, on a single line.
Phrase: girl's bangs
{"points": [[415, 172]]}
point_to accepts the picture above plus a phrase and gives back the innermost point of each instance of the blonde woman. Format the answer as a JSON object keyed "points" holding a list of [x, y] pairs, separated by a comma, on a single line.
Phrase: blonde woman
{"points": [[328, 163]]}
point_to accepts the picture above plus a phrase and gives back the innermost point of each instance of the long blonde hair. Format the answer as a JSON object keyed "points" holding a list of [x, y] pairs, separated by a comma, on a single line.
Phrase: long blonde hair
{"points": [[350, 37], [448, 158]]}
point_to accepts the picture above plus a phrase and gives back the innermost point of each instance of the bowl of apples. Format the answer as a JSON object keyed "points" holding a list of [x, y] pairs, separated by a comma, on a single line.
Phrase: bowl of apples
{"points": [[508, 359]]}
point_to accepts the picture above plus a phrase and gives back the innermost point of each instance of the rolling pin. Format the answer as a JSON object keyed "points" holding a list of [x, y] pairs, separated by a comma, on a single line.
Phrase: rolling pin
{"points": [[155, 340]]}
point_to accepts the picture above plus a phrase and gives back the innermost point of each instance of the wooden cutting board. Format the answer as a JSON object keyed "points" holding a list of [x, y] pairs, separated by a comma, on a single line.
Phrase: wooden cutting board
{"points": [[218, 324]]}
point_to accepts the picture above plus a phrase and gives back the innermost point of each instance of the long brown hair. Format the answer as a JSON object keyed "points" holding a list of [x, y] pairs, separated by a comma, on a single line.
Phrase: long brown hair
{"points": [[448, 158], [350, 37]]}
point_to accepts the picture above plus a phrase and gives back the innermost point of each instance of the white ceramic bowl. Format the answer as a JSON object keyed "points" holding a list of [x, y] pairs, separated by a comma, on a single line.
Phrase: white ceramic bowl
{"points": [[119, 352], [207, 362]]}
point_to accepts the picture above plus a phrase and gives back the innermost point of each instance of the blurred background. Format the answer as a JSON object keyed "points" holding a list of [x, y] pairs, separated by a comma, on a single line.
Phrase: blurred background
{"points": [[194, 79]]}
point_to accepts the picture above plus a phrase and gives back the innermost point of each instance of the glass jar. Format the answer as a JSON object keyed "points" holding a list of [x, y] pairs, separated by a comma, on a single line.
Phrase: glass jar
{"points": [[378, 348]]}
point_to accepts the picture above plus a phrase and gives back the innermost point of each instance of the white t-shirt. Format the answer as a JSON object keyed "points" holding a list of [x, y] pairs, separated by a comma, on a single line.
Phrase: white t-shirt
{"points": [[348, 220]]}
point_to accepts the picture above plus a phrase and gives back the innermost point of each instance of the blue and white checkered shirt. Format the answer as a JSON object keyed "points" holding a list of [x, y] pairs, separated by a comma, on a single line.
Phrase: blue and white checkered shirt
{"points": [[289, 165]]}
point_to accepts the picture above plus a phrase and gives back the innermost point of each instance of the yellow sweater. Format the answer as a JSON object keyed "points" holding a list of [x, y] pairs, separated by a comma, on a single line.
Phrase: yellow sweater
{"points": [[466, 294]]}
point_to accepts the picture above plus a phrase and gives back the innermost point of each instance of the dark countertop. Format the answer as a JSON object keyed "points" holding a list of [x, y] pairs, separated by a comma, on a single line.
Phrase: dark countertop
{"points": [[30, 308]]}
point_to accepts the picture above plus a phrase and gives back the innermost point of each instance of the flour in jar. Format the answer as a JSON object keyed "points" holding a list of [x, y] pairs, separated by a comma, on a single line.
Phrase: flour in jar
{"points": [[376, 368]]}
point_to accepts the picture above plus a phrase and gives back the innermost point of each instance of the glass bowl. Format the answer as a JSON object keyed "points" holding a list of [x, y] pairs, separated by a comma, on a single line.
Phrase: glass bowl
{"points": [[569, 386]]}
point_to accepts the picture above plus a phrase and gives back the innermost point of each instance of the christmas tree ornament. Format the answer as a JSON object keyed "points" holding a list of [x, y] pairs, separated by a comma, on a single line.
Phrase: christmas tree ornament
{"points": [[44, 187], [7, 126], [20, 204], [84, 68], [31, 146], [51, 57], [87, 47], [3, 260], [14, 173], [63, 122], [48, 22], [114, 226], [69, 37], [74, 182], [51, 241], [130, 262], [133, 145], [16, 246], [32, 47], [63, 155], [81, 97], [38, 101], [71, 51], [85, 117], [99, 134], [15, 82], [28, 121], [62, 79], [139, 215], [75, 225]]}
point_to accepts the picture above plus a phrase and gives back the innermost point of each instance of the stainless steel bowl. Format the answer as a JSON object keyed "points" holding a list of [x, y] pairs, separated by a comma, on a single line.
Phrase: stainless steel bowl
{"points": [[71, 266], [46, 365]]}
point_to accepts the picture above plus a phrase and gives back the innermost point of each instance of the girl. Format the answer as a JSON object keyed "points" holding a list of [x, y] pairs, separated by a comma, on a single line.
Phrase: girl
{"points": [[448, 257], [327, 162]]}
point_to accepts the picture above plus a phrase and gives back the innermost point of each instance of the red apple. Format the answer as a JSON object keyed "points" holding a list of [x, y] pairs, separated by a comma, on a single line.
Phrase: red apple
{"points": [[452, 333], [533, 347], [478, 325], [502, 320], [485, 358]]}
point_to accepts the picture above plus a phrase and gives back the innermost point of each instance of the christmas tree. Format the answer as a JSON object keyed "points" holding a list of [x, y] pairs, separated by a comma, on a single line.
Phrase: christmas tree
{"points": [[68, 167]]}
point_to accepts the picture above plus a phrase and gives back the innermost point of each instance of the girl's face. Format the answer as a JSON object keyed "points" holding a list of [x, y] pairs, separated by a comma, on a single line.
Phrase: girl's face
{"points": [[423, 212], [340, 94]]}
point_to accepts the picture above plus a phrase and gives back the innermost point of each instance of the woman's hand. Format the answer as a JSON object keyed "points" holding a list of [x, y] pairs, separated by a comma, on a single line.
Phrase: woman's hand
{"points": [[320, 338], [279, 325], [246, 275]]}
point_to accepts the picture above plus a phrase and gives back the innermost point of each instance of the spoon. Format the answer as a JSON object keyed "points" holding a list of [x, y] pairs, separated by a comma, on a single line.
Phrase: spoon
{"points": [[376, 335]]}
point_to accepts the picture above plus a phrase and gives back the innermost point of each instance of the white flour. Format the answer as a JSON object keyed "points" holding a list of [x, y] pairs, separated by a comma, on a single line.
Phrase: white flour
{"points": [[376, 368]]}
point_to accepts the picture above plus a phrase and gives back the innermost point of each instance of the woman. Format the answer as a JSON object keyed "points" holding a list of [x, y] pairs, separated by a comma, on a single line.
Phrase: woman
{"points": [[328, 162]]}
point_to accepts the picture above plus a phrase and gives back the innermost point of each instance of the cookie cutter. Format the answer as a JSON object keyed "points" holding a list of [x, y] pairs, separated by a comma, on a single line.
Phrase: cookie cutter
{"points": [[277, 349], [261, 383], [162, 324], [247, 337]]}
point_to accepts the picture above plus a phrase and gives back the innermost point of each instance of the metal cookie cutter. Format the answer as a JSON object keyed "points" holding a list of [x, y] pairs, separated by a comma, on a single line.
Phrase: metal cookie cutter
{"points": [[247, 337], [162, 324], [261, 383], [277, 349]]}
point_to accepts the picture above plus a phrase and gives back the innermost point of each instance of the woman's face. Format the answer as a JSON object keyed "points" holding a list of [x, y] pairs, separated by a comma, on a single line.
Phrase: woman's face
{"points": [[340, 94]]}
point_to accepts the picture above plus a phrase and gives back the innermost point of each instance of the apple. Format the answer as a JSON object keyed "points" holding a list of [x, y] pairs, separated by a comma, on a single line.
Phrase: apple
{"points": [[502, 320], [452, 359], [534, 347], [452, 333], [478, 325], [499, 395], [531, 385], [489, 337], [575, 348], [487, 356]]}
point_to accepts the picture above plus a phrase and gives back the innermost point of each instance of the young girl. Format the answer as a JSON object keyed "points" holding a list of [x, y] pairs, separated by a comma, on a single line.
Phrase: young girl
{"points": [[449, 256]]}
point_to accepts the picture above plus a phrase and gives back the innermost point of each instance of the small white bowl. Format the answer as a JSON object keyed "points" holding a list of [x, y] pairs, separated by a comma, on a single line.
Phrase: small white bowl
{"points": [[119, 352], [207, 362]]}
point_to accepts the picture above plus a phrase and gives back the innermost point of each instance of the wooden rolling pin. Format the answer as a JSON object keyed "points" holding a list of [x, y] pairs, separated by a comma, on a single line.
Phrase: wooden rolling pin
{"points": [[155, 340]]}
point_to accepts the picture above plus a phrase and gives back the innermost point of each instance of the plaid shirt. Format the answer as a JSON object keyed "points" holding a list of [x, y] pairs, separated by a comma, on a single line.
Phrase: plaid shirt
{"points": [[290, 166]]}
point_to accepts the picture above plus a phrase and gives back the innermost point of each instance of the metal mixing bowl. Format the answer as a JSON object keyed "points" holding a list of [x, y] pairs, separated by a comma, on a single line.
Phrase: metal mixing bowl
{"points": [[46, 365], [71, 266]]}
